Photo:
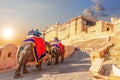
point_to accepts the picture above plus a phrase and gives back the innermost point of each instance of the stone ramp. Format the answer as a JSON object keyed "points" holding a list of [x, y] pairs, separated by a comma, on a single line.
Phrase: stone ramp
{"points": [[77, 56], [75, 67], [93, 44]]}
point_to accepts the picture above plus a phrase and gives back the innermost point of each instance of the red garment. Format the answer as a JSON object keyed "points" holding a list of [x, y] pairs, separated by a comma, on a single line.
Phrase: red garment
{"points": [[40, 46], [61, 47]]}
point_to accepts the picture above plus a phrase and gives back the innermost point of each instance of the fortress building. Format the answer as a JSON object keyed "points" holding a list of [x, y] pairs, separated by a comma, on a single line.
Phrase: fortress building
{"points": [[82, 28]]}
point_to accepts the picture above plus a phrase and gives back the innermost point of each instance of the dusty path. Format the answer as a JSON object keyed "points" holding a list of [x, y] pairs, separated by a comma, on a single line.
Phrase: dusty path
{"points": [[74, 67]]}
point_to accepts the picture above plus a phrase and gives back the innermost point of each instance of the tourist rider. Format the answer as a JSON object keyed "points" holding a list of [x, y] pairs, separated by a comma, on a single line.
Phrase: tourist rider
{"points": [[31, 32], [37, 33]]}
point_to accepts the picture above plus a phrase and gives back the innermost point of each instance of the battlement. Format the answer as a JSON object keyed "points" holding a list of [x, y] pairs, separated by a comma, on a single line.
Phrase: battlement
{"points": [[80, 25]]}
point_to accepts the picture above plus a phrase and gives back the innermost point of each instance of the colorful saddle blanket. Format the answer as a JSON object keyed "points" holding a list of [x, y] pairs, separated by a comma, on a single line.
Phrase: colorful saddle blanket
{"points": [[59, 45], [39, 47]]}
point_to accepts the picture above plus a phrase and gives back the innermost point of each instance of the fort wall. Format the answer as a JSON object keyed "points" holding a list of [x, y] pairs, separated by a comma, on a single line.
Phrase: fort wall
{"points": [[81, 28]]}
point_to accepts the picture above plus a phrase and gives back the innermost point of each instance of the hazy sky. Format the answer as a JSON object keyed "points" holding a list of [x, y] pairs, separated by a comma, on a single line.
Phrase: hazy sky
{"points": [[23, 15]]}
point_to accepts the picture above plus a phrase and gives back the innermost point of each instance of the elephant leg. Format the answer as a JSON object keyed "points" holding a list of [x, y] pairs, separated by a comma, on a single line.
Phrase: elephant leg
{"points": [[62, 58], [57, 56], [38, 66], [49, 60], [21, 61], [56, 60], [18, 70], [25, 69]]}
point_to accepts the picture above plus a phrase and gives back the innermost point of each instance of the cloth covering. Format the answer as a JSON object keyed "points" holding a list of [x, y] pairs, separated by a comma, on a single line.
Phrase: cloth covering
{"points": [[39, 47], [60, 46]]}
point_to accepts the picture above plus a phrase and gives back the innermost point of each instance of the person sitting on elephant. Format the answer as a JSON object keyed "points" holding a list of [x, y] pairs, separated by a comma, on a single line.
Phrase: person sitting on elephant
{"points": [[31, 32], [37, 33]]}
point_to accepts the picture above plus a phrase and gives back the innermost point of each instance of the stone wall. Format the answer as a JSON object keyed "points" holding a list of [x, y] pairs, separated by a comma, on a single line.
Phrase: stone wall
{"points": [[50, 35], [116, 23], [62, 32], [80, 27], [8, 51]]}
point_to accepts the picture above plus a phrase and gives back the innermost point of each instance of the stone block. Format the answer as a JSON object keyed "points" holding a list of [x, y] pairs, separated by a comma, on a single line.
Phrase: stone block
{"points": [[115, 70], [96, 66]]}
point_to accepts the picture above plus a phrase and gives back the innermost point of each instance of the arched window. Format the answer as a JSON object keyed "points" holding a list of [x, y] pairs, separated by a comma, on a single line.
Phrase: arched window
{"points": [[9, 54]]}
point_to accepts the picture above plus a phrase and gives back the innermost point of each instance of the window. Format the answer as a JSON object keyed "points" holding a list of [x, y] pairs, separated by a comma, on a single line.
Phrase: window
{"points": [[9, 54], [107, 29]]}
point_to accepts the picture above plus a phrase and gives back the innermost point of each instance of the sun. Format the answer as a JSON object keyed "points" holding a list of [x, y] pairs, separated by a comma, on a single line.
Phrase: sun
{"points": [[7, 33]]}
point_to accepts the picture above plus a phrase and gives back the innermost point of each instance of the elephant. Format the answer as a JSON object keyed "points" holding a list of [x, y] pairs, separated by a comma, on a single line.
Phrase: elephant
{"points": [[55, 53], [25, 54]]}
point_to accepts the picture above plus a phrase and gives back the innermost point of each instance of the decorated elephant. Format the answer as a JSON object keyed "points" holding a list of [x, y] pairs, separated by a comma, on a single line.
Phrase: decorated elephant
{"points": [[25, 54], [54, 54]]}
